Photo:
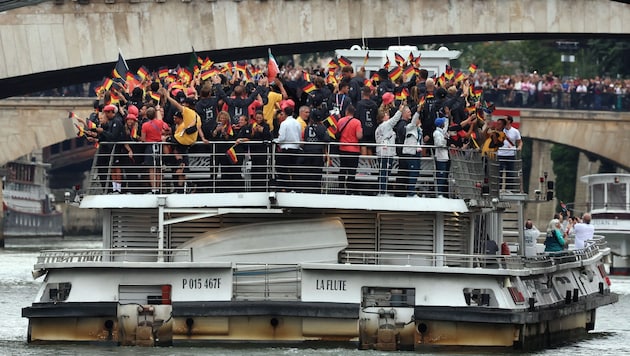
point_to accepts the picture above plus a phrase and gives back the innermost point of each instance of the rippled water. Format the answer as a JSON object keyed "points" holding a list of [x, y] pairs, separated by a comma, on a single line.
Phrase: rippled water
{"points": [[17, 290]]}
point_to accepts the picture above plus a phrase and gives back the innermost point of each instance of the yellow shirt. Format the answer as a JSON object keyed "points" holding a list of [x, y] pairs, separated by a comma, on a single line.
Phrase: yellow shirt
{"points": [[190, 118], [270, 109]]}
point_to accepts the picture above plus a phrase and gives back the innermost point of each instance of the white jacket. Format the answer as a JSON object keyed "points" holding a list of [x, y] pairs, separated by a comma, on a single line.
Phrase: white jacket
{"points": [[413, 133], [385, 135], [439, 140]]}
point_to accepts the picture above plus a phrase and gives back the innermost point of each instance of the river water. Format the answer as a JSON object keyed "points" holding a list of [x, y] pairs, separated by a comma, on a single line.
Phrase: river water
{"points": [[17, 290]]}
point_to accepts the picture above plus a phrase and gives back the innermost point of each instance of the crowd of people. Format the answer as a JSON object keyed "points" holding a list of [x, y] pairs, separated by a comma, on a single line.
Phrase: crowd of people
{"points": [[297, 109]]}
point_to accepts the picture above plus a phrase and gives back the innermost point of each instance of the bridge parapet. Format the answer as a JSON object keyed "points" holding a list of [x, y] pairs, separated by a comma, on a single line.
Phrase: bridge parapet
{"points": [[47, 37]]}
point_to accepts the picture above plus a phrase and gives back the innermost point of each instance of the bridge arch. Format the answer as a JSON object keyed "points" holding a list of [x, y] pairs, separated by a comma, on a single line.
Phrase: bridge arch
{"points": [[64, 42], [602, 133]]}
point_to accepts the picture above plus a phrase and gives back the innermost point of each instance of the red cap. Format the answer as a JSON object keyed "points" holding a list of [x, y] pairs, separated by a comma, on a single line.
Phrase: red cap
{"points": [[132, 117], [132, 109], [111, 108], [287, 103], [388, 98]]}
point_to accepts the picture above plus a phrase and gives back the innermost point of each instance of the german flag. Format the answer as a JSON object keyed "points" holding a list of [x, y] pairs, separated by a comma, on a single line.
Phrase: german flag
{"points": [[332, 65], [114, 99], [229, 67], [306, 76], [309, 87], [143, 73], [72, 115], [91, 125], [207, 64], [408, 72], [331, 125], [459, 76], [163, 72], [410, 58], [107, 83], [441, 80], [395, 73], [206, 75], [80, 131], [387, 64], [230, 130], [241, 66], [375, 78], [368, 83], [403, 94], [121, 69], [367, 56], [231, 154], [343, 61], [421, 102], [400, 60], [134, 132], [155, 96], [416, 62], [472, 68], [330, 79], [449, 72]]}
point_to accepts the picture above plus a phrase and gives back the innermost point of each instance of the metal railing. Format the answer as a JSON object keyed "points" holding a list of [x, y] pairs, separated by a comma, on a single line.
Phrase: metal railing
{"points": [[315, 168], [556, 99], [111, 255], [471, 261]]}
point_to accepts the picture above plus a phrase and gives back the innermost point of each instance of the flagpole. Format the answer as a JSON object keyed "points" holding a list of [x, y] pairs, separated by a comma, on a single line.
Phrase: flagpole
{"points": [[123, 57]]}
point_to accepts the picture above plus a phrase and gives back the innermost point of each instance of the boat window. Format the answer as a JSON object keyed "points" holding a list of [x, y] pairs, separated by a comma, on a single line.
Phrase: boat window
{"points": [[597, 196], [387, 297], [56, 292], [138, 294], [479, 297], [616, 196]]}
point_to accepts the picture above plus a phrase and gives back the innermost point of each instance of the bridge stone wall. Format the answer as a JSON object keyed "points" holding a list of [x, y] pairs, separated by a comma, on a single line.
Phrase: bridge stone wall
{"points": [[603, 133], [32, 123], [56, 35]]}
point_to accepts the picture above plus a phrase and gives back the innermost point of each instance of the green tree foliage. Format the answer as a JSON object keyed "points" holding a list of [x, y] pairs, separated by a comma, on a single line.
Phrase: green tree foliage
{"points": [[593, 57], [565, 162]]}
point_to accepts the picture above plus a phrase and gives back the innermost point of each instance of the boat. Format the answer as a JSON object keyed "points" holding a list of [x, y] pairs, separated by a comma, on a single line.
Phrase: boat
{"points": [[307, 261], [28, 202], [609, 207]]}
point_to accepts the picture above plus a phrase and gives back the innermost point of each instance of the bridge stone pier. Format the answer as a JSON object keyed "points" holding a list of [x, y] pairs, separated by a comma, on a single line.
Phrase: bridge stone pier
{"points": [[51, 37]]}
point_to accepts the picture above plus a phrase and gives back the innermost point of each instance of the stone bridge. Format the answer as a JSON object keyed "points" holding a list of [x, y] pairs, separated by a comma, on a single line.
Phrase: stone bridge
{"points": [[60, 42]]}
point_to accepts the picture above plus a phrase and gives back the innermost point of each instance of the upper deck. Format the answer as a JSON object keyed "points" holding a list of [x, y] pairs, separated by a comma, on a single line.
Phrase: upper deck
{"points": [[262, 175]]}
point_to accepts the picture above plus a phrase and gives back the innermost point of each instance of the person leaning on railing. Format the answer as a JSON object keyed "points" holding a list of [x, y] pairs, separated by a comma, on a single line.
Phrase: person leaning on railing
{"points": [[153, 131]]}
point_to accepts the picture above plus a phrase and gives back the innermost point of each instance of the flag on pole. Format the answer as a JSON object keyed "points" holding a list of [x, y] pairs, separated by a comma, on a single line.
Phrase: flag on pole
{"points": [[231, 154], [344, 61], [400, 60], [272, 67], [121, 69]]}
